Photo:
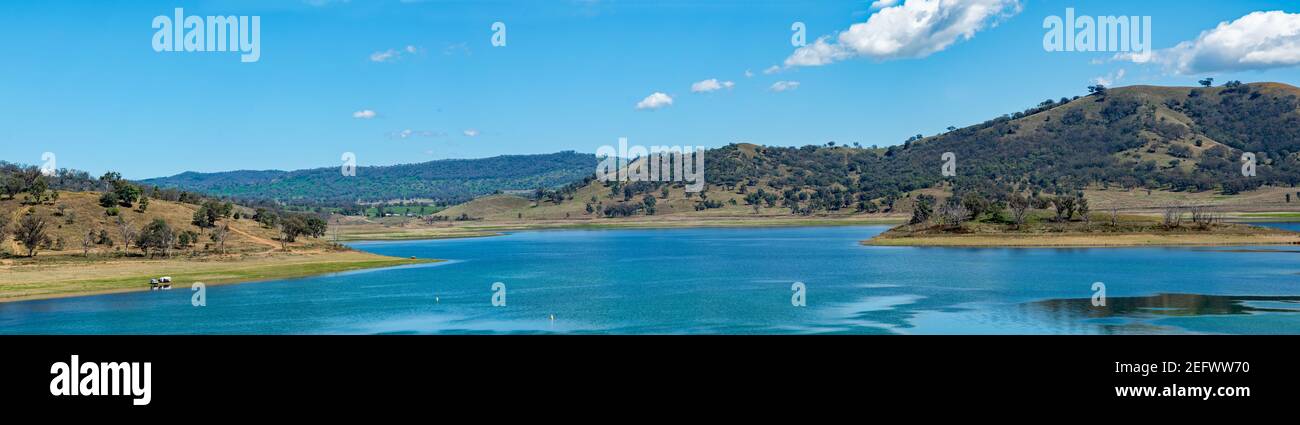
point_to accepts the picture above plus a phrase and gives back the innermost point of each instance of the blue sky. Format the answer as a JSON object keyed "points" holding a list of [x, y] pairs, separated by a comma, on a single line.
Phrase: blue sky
{"points": [[82, 80]]}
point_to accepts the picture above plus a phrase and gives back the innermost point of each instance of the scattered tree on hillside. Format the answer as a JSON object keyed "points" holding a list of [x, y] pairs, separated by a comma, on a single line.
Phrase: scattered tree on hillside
{"points": [[88, 241], [31, 233], [1019, 207], [922, 209], [158, 237], [219, 235], [127, 230]]}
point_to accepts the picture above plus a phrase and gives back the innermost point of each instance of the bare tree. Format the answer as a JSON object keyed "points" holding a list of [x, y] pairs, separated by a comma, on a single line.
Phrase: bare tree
{"points": [[952, 214], [1114, 217], [1019, 207], [1204, 218], [88, 241], [1173, 217], [219, 235], [127, 230], [1081, 205]]}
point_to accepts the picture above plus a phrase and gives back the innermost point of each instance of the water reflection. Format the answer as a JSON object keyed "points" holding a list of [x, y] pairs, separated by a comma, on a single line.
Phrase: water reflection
{"points": [[1161, 311]]}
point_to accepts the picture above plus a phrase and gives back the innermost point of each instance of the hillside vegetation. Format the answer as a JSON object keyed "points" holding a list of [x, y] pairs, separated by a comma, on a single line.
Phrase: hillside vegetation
{"points": [[1154, 140], [444, 181]]}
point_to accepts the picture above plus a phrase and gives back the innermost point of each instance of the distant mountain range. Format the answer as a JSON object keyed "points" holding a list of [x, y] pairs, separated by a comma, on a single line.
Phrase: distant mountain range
{"points": [[452, 180]]}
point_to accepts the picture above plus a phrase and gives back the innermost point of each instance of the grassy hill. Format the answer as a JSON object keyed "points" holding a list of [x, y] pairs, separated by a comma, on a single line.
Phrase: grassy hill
{"points": [[63, 268], [1182, 143], [74, 214]]}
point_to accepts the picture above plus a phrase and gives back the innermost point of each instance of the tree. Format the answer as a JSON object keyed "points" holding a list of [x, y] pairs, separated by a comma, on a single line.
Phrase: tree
{"points": [[953, 213], [127, 230], [1065, 207], [1207, 82], [31, 232], [922, 209], [1097, 90], [294, 225], [127, 193], [649, 201], [1019, 207], [4, 227], [975, 204], [208, 214], [1081, 205], [269, 218], [88, 241], [219, 235], [157, 236], [108, 200], [38, 189], [144, 203]]}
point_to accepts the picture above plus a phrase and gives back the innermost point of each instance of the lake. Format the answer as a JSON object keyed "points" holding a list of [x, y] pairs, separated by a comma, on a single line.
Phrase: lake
{"points": [[723, 281]]}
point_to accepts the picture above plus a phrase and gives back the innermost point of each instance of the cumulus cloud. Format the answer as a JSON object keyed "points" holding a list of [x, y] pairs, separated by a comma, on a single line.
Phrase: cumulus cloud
{"points": [[781, 86], [364, 114], [881, 4], [711, 85], [1109, 80], [1260, 40], [655, 100], [914, 29]]}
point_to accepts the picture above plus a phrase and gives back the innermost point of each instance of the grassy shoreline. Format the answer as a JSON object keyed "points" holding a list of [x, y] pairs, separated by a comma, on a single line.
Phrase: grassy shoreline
{"points": [[489, 229], [45, 281], [986, 236]]}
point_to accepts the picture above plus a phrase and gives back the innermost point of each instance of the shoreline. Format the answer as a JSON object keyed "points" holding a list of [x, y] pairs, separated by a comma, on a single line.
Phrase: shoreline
{"points": [[1272, 237], [216, 273], [501, 228]]}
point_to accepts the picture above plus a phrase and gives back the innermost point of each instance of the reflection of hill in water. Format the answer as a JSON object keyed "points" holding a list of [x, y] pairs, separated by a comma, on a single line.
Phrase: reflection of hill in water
{"points": [[1132, 314]]}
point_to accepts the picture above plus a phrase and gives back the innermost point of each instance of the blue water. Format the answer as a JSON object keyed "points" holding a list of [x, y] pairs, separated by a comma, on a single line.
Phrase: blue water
{"points": [[723, 281]]}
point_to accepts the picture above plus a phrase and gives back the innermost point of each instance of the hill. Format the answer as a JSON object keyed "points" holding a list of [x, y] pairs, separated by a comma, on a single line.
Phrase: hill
{"points": [[444, 181], [73, 215], [1177, 144]]}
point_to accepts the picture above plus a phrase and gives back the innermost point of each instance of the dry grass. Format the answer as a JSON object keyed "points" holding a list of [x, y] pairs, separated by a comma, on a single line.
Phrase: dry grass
{"points": [[71, 278], [252, 253]]}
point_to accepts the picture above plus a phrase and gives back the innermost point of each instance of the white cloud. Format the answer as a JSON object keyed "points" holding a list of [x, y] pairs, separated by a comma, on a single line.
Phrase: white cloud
{"points": [[772, 69], [881, 4], [384, 56], [781, 86], [470, 133], [1260, 40], [655, 100], [364, 114], [749, 74], [1109, 80], [392, 55], [711, 85], [914, 29]]}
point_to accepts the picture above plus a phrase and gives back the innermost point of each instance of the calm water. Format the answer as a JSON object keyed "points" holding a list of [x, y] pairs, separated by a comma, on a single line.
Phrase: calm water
{"points": [[729, 281]]}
